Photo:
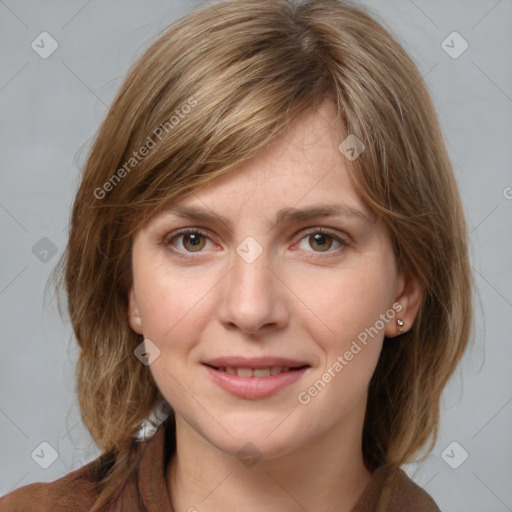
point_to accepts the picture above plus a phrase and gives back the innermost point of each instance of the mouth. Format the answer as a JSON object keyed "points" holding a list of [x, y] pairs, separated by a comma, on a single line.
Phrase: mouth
{"points": [[257, 372], [255, 378]]}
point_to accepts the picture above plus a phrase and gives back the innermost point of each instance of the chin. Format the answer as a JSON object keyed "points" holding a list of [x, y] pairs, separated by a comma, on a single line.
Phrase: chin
{"points": [[250, 449], [251, 439]]}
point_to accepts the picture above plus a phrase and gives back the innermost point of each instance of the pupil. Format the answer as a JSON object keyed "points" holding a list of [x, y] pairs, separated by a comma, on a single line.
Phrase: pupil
{"points": [[194, 239], [321, 240]]}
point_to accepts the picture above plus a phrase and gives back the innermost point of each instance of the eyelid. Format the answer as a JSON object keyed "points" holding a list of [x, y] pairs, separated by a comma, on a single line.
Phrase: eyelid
{"points": [[185, 231], [327, 231]]}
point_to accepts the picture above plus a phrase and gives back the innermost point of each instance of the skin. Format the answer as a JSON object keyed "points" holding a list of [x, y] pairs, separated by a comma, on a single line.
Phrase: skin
{"points": [[301, 298]]}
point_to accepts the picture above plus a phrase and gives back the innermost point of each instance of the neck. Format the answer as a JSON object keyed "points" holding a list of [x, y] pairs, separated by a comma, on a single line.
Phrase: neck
{"points": [[328, 474]]}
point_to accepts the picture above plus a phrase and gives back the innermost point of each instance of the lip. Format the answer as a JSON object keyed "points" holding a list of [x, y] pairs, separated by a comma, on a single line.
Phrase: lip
{"points": [[254, 362], [255, 387]]}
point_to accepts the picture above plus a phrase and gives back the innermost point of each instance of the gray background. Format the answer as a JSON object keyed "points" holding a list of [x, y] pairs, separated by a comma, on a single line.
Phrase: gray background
{"points": [[50, 110]]}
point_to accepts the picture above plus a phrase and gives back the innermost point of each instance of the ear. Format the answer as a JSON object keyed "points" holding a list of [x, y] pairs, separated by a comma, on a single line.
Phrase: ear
{"points": [[134, 318], [408, 298]]}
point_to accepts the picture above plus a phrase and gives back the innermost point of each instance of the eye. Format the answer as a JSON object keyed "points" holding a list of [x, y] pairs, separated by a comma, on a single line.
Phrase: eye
{"points": [[188, 240], [320, 240], [193, 240]]}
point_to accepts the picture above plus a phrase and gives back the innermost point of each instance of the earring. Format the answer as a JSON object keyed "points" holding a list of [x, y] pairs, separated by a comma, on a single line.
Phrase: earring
{"points": [[400, 323]]}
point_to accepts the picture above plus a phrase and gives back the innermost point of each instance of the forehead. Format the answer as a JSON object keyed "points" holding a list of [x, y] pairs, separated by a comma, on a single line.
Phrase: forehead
{"points": [[301, 167]]}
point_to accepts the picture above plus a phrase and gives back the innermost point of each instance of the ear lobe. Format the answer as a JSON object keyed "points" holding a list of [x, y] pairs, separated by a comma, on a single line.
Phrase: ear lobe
{"points": [[134, 318], [409, 298]]}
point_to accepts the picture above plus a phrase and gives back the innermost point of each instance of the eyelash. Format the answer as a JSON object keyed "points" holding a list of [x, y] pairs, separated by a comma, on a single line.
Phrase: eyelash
{"points": [[196, 231]]}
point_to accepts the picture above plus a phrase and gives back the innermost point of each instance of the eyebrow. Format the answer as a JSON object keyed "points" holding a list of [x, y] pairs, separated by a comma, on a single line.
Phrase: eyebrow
{"points": [[285, 216]]}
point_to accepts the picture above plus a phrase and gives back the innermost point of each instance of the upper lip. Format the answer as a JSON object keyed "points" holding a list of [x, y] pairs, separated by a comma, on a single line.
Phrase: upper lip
{"points": [[258, 362]]}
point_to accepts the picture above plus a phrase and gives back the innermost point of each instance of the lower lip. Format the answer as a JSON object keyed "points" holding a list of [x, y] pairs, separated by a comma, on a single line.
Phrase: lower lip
{"points": [[254, 387]]}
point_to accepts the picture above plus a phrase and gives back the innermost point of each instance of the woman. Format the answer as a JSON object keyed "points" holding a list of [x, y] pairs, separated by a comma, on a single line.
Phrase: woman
{"points": [[269, 241]]}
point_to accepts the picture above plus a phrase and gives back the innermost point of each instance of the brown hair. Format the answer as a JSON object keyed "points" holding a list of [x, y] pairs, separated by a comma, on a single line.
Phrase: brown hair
{"points": [[217, 86]]}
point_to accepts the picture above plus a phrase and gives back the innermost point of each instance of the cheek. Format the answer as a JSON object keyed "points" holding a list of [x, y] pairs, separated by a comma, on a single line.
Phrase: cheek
{"points": [[175, 309], [345, 315], [348, 302], [345, 323], [174, 305]]}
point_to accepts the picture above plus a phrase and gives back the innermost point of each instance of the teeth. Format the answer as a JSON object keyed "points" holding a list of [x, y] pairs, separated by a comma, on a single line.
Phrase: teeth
{"points": [[261, 372], [244, 372], [258, 372]]}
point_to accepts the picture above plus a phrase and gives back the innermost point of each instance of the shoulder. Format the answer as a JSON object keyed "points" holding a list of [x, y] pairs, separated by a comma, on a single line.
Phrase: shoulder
{"points": [[75, 492], [79, 490], [401, 494], [391, 490]]}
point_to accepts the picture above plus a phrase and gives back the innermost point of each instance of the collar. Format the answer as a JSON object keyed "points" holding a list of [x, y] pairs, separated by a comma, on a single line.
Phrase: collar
{"points": [[152, 470]]}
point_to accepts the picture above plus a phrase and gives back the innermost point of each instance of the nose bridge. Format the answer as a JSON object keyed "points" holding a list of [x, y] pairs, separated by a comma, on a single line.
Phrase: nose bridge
{"points": [[251, 277], [252, 297]]}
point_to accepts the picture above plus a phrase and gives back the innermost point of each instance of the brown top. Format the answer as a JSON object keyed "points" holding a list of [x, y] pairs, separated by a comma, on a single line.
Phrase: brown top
{"points": [[146, 488]]}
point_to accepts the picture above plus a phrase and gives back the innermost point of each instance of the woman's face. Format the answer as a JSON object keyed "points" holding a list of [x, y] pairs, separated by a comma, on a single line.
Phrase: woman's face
{"points": [[263, 274]]}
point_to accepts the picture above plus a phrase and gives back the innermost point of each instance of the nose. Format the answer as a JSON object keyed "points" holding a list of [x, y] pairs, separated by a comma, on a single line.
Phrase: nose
{"points": [[253, 299]]}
